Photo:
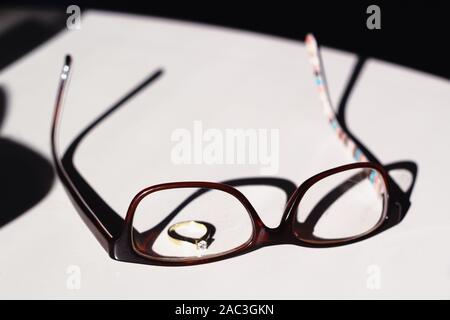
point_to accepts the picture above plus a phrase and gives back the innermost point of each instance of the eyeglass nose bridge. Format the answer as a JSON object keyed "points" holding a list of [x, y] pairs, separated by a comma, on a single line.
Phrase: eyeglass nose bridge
{"points": [[282, 234]]}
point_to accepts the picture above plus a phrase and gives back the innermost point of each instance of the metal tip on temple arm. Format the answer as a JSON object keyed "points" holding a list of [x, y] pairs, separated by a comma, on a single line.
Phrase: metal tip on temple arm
{"points": [[66, 67], [310, 40], [309, 37]]}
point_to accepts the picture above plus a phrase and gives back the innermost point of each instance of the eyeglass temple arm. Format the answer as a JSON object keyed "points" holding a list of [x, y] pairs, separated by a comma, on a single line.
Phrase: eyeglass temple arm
{"points": [[358, 151], [100, 229], [102, 220], [324, 95]]}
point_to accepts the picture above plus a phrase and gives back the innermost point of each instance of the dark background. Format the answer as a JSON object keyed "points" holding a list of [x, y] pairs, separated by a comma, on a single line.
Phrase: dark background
{"points": [[414, 33]]}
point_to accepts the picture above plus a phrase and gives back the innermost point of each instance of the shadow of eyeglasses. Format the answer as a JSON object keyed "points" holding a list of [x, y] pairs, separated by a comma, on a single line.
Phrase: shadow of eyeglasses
{"points": [[321, 207], [26, 176], [115, 221]]}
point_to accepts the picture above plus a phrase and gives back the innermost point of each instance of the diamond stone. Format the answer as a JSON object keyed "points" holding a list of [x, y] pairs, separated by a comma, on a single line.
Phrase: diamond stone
{"points": [[202, 246]]}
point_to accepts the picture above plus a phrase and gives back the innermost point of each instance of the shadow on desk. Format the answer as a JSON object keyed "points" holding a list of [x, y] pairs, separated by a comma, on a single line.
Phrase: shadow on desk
{"points": [[25, 176]]}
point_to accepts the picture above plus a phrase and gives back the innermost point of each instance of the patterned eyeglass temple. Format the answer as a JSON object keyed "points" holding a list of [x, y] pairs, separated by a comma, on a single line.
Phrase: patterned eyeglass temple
{"points": [[330, 113]]}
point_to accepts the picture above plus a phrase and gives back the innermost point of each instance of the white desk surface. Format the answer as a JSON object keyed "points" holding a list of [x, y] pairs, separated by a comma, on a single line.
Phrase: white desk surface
{"points": [[212, 73]]}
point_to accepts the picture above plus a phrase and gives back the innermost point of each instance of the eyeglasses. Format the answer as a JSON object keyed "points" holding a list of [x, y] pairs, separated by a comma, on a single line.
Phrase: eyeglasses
{"points": [[187, 223]]}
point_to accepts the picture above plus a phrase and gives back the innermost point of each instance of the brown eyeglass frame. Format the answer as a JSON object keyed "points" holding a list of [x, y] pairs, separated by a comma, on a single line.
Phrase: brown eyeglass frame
{"points": [[115, 234]]}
